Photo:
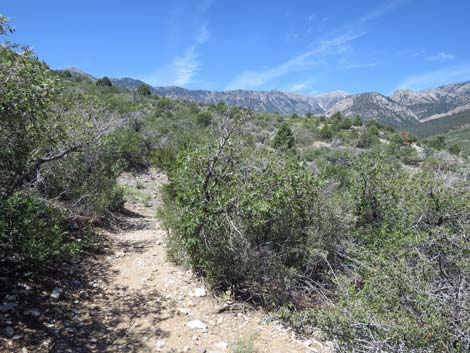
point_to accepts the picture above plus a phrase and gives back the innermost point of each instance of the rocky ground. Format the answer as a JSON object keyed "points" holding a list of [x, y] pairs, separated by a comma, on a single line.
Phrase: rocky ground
{"points": [[131, 299]]}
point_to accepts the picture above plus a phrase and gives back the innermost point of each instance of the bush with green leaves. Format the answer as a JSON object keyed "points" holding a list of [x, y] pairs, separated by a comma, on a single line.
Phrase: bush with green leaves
{"points": [[284, 139], [403, 282], [32, 234], [144, 90], [249, 222], [104, 82], [49, 136]]}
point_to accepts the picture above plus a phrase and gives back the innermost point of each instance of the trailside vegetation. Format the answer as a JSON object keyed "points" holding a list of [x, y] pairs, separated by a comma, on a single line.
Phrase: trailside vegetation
{"points": [[335, 224]]}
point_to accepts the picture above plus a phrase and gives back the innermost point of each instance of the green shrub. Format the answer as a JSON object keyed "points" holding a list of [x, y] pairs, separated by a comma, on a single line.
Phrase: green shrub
{"points": [[357, 121], [33, 235], [247, 221], [244, 345], [455, 149], [104, 82], [284, 139], [144, 90]]}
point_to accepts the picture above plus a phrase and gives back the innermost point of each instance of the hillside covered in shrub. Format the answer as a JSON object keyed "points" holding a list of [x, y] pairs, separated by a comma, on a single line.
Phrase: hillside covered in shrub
{"points": [[353, 228]]}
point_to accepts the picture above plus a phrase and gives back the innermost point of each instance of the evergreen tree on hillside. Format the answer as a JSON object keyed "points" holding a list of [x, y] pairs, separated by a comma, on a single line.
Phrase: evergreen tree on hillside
{"points": [[284, 139], [144, 90], [104, 82]]}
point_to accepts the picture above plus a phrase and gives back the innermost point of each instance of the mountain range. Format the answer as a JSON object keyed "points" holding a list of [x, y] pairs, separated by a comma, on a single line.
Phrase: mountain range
{"points": [[404, 108]]}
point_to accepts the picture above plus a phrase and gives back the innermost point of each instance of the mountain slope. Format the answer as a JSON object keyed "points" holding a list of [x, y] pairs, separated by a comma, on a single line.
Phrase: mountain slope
{"points": [[404, 108], [261, 101], [375, 106]]}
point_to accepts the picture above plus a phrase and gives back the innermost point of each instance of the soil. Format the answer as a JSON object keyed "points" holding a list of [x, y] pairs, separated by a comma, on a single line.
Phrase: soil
{"points": [[130, 298]]}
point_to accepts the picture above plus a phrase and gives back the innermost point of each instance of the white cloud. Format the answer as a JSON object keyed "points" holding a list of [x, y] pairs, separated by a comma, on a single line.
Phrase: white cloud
{"points": [[337, 43], [437, 77], [301, 86], [306, 60], [441, 57], [186, 67], [350, 66], [183, 68]]}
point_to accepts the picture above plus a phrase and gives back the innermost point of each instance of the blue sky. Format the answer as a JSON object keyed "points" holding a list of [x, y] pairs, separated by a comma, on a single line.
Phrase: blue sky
{"points": [[304, 46]]}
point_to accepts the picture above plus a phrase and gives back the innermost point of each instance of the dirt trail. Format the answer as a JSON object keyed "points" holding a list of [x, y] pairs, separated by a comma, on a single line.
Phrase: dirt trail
{"points": [[127, 297], [173, 297]]}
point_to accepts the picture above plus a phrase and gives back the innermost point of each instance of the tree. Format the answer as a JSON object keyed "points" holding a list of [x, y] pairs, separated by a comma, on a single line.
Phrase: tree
{"points": [[455, 149], [204, 118], [144, 90], [104, 82], [357, 121], [284, 139], [438, 142]]}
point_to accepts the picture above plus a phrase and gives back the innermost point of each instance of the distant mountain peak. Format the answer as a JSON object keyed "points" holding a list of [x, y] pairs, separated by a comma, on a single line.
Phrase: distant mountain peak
{"points": [[79, 72], [403, 107]]}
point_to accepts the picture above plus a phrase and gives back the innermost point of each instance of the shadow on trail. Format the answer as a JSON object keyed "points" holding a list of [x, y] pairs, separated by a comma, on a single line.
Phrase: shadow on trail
{"points": [[87, 317]]}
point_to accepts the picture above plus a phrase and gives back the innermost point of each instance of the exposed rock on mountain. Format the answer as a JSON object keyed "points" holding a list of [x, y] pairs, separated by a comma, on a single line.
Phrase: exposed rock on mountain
{"points": [[402, 108], [374, 105], [78, 72]]}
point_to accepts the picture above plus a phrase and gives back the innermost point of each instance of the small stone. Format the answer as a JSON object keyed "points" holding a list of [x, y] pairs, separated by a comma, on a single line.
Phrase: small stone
{"points": [[10, 298], [8, 332], [200, 292], [83, 294], [56, 293], [197, 324], [33, 312], [183, 311], [221, 345], [160, 344], [186, 348], [5, 308]]}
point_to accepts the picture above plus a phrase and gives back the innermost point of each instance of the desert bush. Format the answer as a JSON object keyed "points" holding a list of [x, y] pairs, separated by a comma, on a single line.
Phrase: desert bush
{"points": [[248, 222], [402, 285], [32, 234]]}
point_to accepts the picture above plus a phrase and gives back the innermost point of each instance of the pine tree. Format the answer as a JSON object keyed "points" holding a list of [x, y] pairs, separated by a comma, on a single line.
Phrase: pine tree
{"points": [[284, 139]]}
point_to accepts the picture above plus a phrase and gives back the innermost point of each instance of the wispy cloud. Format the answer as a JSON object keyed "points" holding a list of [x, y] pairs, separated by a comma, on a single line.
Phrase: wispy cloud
{"points": [[351, 66], [183, 68], [301, 86], [437, 77], [441, 57], [301, 62], [186, 67], [203, 35], [336, 43]]}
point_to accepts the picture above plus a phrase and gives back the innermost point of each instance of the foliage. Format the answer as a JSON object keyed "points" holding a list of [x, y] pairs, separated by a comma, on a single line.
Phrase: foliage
{"points": [[30, 133], [247, 221], [104, 82], [49, 139], [357, 121], [244, 345], [33, 235], [144, 90], [284, 139]]}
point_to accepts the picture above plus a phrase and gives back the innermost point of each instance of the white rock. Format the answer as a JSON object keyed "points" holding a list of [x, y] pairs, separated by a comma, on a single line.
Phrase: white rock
{"points": [[56, 293], [221, 345], [197, 324], [160, 344], [33, 312], [200, 292], [183, 311]]}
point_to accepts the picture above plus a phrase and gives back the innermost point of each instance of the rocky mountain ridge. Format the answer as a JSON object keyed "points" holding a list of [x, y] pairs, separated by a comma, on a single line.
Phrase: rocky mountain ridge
{"points": [[403, 108]]}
